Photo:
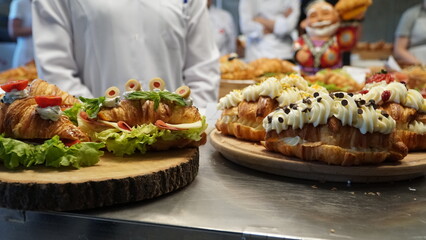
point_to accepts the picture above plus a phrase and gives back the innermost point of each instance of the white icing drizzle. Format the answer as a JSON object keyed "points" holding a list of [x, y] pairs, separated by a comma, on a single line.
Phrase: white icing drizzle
{"points": [[417, 127], [50, 113], [230, 100]]}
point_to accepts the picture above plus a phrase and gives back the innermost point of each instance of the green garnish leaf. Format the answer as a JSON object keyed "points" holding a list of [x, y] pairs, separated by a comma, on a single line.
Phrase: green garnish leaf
{"points": [[92, 106], [156, 97], [72, 112]]}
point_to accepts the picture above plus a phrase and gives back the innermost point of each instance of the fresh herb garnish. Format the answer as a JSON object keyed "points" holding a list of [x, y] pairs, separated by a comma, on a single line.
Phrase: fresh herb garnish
{"points": [[73, 112], [156, 97], [92, 105]]}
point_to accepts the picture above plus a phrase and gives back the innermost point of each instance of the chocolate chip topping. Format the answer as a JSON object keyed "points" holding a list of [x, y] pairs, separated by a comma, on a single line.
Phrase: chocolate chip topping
{"points": [[350, 94], [292, 105], [360, 111], [287, 111], [339, 95], [319, 99], [344, 102], [385, 114], [269, 119], [316, 94], [362, 102], [280, 119]]}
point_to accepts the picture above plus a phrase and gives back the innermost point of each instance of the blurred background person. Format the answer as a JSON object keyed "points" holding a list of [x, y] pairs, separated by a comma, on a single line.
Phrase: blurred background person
{"points": [[410, 36], [86, 46], [224, 29], [268, 25], [19, 27]]}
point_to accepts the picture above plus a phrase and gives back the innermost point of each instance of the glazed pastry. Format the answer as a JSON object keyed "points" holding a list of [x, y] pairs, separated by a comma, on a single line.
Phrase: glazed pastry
{"points": [[22, 120], [336, 129], [406, 106], [335, 80], [244, 110], [39, 87]]}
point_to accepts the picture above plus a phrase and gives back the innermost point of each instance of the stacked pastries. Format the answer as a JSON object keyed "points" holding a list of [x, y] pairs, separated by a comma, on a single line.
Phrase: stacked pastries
{"points": [[381, 123]]}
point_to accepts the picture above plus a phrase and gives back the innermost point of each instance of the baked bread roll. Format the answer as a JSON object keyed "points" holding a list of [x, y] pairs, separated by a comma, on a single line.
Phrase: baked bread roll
{"points": [[335, 129], [271, 65], [406, 106], [244, 110], [233, 68]]}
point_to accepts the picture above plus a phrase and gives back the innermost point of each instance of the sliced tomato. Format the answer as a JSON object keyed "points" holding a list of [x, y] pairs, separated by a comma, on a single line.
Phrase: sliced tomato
{"points": [[18, 85], [48, 101], [124, 125], [70, 142], [161, 124]]}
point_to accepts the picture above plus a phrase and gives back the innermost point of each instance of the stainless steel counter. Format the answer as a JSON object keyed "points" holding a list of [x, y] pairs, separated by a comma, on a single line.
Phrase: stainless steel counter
{"points": [[227, 201]]}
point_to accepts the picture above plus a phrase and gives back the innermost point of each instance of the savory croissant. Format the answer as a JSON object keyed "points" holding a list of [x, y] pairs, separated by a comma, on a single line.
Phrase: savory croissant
{"points": [[21, 120], [39, 87]]}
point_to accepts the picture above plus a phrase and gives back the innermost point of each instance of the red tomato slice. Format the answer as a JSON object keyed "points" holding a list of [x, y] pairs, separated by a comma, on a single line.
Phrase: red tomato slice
{"points": [[18, 85], [70, 142], [48, 101]]}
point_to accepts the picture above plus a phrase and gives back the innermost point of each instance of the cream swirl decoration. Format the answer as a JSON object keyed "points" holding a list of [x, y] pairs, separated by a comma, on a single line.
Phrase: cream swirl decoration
{"points": [[316, 111]]}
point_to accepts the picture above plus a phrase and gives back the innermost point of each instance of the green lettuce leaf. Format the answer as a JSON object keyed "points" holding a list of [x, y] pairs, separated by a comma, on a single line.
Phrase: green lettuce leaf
{"points": [[141, 137], [52, 153], [72, 113]]}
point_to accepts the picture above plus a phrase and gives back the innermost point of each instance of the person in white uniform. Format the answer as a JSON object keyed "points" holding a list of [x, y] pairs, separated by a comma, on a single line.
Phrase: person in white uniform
{"points": [[268, 25], [410, 36], [224, 29], [86, 46], [19, 27]]}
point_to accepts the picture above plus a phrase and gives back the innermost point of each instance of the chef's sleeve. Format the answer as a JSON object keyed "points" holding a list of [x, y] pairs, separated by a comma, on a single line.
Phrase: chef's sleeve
{"points": [[232, 30], [247, 12], [201, 69], [53, 46], [17, 10], [285, 25]]}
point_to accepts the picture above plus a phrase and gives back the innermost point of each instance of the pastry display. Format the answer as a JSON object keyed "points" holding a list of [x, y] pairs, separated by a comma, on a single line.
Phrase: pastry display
{"points": [[406, 106], [264, 66], [233, 68], [338, 129], [28, 71], [335, 80], [244, 110], [416, 76]]}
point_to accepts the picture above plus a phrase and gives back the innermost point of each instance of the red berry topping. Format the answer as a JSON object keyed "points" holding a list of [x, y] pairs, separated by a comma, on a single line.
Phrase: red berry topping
{"points": [[386, 95], [363, 92]]}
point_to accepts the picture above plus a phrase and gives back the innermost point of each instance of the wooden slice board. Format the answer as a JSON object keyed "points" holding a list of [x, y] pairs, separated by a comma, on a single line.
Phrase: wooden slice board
{"points": [[255, 156], [113, 180]]}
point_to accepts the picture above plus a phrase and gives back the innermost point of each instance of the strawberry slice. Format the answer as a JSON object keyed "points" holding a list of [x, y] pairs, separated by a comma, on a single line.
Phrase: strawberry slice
{"points": [[48, 101], [18, 85]]}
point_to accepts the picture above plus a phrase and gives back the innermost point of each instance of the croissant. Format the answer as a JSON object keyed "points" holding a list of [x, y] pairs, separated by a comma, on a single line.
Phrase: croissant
{"points": [[39, 87], [271, 65], [335, 144], [138, 112], [20, 120]]}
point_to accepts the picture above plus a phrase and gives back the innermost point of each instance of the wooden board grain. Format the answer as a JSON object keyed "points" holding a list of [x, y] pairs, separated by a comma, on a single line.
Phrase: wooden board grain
{"points": [[255, 156], [114, 180]]}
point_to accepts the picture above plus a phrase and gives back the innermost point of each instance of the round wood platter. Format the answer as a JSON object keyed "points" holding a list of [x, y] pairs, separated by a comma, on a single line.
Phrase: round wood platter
{"points": [[113, 180], [255, 156]]}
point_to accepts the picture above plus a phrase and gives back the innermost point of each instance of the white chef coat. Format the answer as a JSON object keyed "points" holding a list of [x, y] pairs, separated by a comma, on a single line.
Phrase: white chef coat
{"points": [[24, 52], [277, 44], [86, 46], [224, 30]]}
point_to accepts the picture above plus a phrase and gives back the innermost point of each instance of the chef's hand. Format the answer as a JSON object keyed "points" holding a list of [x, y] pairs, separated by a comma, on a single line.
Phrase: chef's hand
{"points": [[268, 25]]}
